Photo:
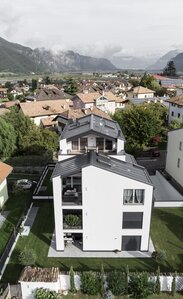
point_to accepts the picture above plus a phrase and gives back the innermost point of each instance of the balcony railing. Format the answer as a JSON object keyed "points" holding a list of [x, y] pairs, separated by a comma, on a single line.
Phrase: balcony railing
{"points": [[72, 200]]}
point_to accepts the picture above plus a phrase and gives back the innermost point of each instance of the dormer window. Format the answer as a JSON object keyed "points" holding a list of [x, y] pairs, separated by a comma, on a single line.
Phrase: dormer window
{"points": [[108, 145], [75, 145]]}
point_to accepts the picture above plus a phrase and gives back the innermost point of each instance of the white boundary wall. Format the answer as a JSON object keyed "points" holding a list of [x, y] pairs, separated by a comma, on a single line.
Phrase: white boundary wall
{"points": [[63, 284]]}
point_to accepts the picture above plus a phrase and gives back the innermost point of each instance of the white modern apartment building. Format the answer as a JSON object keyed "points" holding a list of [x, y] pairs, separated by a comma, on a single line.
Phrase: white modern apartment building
{"points": [[174, 160], [102, 198]]}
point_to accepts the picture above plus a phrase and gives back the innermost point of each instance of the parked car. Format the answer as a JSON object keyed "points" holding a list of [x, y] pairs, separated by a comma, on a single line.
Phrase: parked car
{"points": [[155, 153], [24, 184]]}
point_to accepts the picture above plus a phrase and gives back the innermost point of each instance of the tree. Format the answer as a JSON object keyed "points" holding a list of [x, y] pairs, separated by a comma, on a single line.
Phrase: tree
{"points": [[140, 286], [157, 287], [50, 140], [7, 139], [34, 84], [27, 257], [10, 96], [170, 69], [72, 283], [71, 86], [140, 123], [149, 81], [116, 282], [89, 283], [126, 279], [174, 285], [102, 281], [176, 124]]}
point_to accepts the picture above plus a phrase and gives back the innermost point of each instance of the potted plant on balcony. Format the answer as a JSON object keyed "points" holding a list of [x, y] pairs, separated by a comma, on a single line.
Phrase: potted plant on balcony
{"points": [[71, 220]]}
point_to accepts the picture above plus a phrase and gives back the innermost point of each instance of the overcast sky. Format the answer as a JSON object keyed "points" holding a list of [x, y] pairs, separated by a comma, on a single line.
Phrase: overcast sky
{"points": [[95, 27]]}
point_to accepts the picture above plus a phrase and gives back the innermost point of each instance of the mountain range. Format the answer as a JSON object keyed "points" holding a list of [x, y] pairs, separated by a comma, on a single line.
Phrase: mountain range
{"points": [[162, 61], [17, 58]]}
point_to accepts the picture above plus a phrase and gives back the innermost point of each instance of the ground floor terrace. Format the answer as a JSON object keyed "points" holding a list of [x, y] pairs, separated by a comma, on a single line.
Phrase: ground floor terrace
{"points": [[166, 232]]}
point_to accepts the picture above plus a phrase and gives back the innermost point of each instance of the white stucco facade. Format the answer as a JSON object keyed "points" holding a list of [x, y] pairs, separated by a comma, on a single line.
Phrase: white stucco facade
{"points": [[109, 221], [174, 160], [3, 193], [175, 112]]}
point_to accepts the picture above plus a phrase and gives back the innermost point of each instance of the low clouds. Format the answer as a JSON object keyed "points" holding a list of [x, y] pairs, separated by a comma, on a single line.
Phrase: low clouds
{"points": [[100, 28]]}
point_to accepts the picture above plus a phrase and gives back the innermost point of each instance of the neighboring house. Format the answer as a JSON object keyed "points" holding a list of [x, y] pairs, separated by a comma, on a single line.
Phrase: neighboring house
{"points": [[105, 101], [73, 114], [3, 93], [176, 108], [5, 170], [37, 111], [174, 160], [167, 82], [102, 188], [50, 92], [140, 92]]}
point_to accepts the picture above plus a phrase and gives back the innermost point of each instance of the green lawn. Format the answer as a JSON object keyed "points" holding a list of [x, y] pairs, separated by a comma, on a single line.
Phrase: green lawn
{"points": [[162, 296], [15, 206], [166, 233]]}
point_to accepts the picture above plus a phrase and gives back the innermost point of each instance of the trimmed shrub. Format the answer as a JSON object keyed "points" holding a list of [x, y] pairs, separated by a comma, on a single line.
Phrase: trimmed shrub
{"points": [[139, 286], [102, 281], [46, 294], [72, 283], [157, 287], [116, 282], [174, 285], [89, 283], [27, 257]]}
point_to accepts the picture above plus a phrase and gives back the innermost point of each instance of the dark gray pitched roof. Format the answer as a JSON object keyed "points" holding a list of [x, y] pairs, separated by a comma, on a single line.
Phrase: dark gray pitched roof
{"points": [[92, 123], [75, 164]]}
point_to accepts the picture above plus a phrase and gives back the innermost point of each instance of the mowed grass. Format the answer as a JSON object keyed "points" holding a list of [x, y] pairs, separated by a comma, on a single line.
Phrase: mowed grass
{"points": [[166, 233], [16, 206]]}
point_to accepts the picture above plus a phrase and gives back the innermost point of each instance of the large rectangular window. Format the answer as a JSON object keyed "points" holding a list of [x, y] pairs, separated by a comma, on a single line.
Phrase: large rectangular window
{"points": [[83, 143], [133, 196], [75, 145], [131, 243], [132, 220], [100, 143], [108, 145]]}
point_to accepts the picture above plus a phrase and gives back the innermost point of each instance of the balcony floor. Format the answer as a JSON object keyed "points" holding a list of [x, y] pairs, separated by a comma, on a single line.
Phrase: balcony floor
{"points": [[73, 251]]}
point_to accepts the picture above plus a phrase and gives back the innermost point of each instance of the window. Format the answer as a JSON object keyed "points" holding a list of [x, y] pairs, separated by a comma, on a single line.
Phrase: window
{"points": [[172, 113], [100, 143], [75, 145], [108, 145], [83, 143], [178, 162], [131, 243], [133, 196], [132, 220], [180, 145], [178, 115]]}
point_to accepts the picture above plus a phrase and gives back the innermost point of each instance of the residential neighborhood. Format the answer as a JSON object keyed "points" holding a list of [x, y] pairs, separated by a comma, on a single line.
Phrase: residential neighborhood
{"points": [[91, 150]]}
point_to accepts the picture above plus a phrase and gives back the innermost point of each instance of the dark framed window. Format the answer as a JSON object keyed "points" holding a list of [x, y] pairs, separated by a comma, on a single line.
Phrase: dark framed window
{"points": [[108, 145], [131, 243], [172, 113], [83, 143], [178, 115], [133, 196], [100, 143], [180, 145], [178, 162], [75, 145], [132, 220]]}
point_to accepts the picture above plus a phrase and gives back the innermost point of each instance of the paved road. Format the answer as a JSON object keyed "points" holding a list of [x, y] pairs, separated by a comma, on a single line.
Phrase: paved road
{"points": [[152, 164]]}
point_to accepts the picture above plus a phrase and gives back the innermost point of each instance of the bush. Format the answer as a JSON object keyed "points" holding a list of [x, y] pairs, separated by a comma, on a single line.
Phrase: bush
{"points": [[157, 287], [174, 285], [27, 257], [116, 282], [139, 286], [159, 256], [72, 283], [89, 283], [46, 294], [72, 220]]}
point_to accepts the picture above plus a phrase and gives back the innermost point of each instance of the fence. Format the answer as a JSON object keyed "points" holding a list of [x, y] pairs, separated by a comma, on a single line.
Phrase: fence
{"points": [[63, 284], [39, 184], [11, 242]]}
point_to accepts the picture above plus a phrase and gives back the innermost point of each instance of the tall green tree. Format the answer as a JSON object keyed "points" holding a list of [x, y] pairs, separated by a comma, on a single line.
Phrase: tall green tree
{"points": [[140, 123], [170, 69], [72, 283], [150, 82], [71, 86], [116, 282], [7, 139], [34, 84]]}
